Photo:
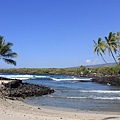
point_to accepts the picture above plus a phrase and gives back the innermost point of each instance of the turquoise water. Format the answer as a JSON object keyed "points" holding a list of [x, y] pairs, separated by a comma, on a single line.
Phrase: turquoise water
{"points": [[70, 93]]}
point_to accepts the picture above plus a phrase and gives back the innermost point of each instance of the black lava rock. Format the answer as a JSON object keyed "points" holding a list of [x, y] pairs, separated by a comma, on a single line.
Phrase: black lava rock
{"points": [[109, 80], [23, 90]]}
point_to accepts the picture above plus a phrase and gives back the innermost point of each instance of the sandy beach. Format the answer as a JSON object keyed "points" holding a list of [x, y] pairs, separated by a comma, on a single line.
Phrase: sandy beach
{"points": [[18, 110]]}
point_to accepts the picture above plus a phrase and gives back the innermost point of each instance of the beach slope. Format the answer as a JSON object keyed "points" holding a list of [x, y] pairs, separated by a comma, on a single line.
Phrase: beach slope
{"points": [[18, 110]]}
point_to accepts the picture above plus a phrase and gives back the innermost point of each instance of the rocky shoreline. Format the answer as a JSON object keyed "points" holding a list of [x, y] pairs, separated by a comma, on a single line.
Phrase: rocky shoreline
{"points": [[15, 89], [108, 80]]}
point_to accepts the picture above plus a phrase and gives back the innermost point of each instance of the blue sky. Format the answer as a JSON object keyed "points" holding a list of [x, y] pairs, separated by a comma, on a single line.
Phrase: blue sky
{"points": [[57, 33]]}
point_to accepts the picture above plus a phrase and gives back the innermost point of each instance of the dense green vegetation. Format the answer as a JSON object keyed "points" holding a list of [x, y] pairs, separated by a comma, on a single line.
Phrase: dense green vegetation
{"points": [[79, 71]]}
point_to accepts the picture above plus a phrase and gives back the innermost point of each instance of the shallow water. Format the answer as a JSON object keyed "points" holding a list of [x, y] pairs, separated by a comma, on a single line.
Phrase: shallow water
{"points": [[77, 95]]}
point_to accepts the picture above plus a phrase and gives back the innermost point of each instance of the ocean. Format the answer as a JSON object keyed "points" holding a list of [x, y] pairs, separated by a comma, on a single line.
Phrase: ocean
{"points": [[73, 94]]}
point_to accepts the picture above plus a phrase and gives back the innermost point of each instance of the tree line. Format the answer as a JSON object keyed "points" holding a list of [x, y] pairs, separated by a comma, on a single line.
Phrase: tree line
{"points": [[78, 71]]}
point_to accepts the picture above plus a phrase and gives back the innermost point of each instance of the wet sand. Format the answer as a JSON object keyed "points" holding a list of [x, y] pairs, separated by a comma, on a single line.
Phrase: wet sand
{"points": [[18, 110]]}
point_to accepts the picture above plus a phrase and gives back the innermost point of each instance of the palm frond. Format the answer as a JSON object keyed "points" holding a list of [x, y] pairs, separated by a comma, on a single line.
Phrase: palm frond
{"points": [[9, 61], [9, 44], [6, 51], [1, 40], [94, 42], [99, 40], [11, 55], [106, 39]]}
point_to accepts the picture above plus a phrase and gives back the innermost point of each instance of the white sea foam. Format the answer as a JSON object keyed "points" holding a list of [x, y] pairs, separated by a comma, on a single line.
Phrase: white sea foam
{"points": [[107, 98], [21, 77], [77, 97], [60, 79], [94, 98], [71, 79], [100, 91], [24, 77], [36, 76]]}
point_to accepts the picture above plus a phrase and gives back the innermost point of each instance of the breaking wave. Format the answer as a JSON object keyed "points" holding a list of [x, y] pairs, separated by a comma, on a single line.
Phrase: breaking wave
{"points": [[100, 91], [74, 78], [81, 98], [27, 77]]}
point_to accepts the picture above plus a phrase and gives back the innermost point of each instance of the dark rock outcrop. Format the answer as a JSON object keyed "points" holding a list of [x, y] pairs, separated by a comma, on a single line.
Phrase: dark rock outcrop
{"points": [[109, 80], [13, 83], [3, 78], [17, 89]]}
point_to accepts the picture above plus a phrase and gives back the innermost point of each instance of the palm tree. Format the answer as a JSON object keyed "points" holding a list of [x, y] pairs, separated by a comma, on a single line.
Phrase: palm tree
{"points": [[99, 48], [6, 52], [112, 44], [118, 42]]}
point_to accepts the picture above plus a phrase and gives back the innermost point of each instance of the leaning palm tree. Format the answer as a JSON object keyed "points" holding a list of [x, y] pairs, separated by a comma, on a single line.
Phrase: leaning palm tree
{"points": [[6, 52], [99, 48], [118, 45], [112, 44]]}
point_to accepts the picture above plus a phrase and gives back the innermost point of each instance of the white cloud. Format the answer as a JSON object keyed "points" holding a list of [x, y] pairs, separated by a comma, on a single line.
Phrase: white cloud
{"points": [[92, 62], [88, 61]]}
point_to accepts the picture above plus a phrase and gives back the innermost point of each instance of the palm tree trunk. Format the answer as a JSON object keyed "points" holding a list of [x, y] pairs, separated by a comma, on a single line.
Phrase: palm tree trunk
{"points": [[113, 57], [104, 60]]}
